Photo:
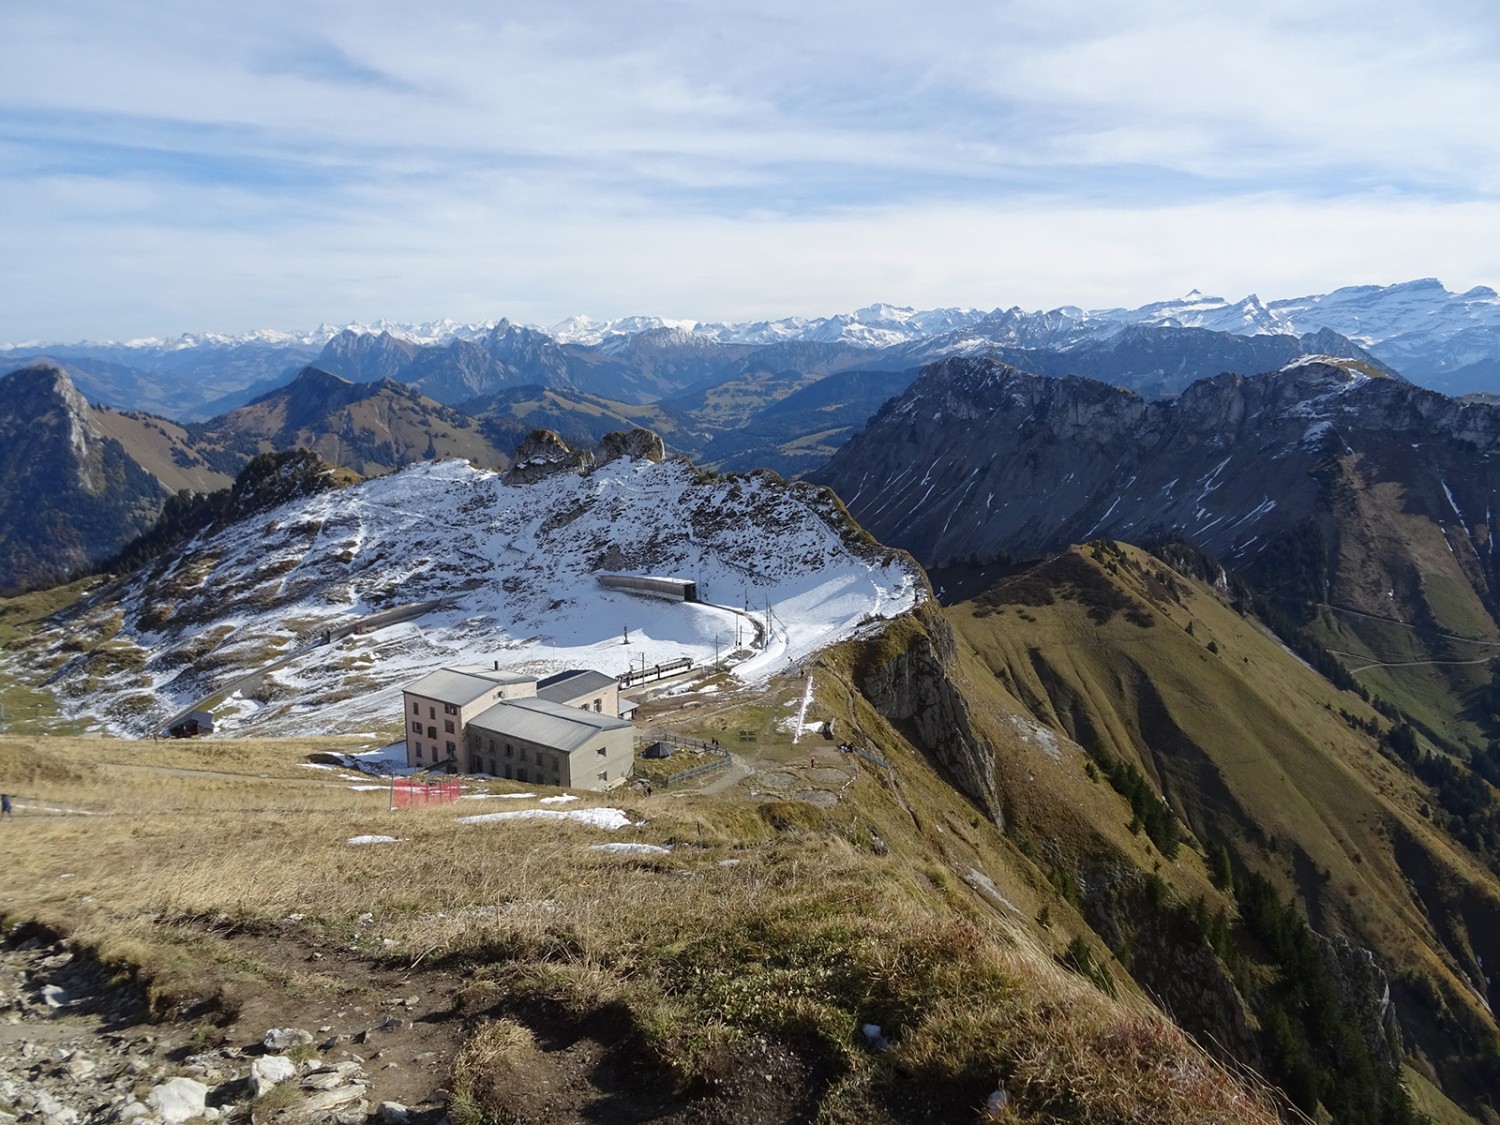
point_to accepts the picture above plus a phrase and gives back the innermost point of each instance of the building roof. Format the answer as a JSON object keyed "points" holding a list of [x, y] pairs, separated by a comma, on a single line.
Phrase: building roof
{"points": [[547, 723], [462, 686], [494, 675], [573, 684]]}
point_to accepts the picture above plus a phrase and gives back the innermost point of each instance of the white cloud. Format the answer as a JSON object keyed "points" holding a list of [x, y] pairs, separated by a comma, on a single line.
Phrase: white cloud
{"points": [[183, 165]]}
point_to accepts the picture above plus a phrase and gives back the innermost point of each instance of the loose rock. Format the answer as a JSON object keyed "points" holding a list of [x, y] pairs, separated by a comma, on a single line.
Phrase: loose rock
{"points": [[280, 1039], [178, 1100]]}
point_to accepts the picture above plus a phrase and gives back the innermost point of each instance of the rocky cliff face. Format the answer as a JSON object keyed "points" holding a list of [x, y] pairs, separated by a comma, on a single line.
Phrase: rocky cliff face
{"points": [[543, 453], [909, 677], [978, 459], [71, 495]]}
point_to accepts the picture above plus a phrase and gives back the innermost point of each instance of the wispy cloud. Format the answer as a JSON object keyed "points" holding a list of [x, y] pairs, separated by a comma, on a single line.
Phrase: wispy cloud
{"points": [[183, 165]]}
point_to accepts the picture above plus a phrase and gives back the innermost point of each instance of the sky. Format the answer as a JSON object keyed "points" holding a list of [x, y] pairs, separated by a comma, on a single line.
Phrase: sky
{"points": [[194, 166]]}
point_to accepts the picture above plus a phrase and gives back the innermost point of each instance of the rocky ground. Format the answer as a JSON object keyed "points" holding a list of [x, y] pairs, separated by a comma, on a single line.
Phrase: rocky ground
{"points": [[77, 1047]]}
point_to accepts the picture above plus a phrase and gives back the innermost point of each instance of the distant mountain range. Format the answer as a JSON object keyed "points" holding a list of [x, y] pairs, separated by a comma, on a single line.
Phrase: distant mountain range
{"points": [[1361, 506], [1444, 340]]}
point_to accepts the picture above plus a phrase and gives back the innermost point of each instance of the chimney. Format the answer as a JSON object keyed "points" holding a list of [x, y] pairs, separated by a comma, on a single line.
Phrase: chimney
{"points": [[497, 665]]}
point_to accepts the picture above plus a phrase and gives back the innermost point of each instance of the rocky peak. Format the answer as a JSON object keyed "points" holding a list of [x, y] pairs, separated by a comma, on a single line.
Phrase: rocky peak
{"points": [[43, 395], [543, 453], [639, 444]]}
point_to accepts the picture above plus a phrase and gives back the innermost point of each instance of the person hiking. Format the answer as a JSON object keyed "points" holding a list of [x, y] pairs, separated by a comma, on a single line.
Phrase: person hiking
{"points": [[5, 806]]}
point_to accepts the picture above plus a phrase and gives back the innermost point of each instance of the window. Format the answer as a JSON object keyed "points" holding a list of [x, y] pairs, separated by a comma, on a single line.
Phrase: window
{"points": [[449, 709], [522, 755], [416, 708], [520, 775], [432, 732], [599, 750], [417, 726], [419, 751], [452, 749], [432, 712], [492, 746], [598, 706], [448, 726], [603, 775]]}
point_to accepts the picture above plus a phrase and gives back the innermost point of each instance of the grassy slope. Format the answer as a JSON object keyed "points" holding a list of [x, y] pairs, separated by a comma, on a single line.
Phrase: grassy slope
{"points": [[164, 449], [1247, 743], [1393, 564], [373, 435], [768, 919]]}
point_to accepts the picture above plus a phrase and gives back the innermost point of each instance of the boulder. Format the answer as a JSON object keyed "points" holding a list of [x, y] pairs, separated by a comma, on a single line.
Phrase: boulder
{"points": [[268, 1072], [178, 1100]]}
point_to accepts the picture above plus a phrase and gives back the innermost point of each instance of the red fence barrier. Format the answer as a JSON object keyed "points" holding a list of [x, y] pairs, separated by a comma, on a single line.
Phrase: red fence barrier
{"points": [[406, 794]]}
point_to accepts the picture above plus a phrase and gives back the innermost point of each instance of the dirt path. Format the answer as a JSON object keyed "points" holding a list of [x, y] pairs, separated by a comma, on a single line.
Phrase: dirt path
{"points": [[353, 1040]]}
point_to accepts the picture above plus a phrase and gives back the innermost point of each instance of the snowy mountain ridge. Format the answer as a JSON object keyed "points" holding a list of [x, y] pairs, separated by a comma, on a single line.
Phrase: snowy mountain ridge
{"points": [[1368, 314], [498, 572]]}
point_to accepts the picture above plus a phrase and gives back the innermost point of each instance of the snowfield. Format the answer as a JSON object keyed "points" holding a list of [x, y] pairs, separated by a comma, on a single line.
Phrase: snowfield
{"points": [[513, 568]]}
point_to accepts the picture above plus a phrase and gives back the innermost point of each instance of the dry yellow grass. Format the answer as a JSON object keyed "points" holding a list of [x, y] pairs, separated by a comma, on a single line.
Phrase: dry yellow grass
{"points": [[762, 921]]}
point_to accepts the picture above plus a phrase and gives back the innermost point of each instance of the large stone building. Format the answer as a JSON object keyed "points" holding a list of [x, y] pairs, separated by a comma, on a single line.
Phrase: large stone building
{"points": [[564, 731]]}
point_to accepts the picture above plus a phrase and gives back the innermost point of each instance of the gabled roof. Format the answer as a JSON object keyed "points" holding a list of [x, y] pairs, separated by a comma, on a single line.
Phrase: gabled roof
{"points": [[542, 721], [451, 686], [573, 684], [486, 672]]}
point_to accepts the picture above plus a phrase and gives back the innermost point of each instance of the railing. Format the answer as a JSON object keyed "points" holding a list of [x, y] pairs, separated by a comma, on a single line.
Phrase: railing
{"points": [[873, 759], [696, 771]]}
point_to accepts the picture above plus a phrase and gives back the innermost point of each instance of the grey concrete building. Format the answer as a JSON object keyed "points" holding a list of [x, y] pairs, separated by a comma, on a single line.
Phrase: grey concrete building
{"points": [[537, 740]]}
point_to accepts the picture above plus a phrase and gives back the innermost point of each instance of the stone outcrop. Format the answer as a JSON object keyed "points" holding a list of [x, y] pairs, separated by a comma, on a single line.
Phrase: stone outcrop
{"points": [[543, 453], [642, 445], [1366, 990], [908, 676]]}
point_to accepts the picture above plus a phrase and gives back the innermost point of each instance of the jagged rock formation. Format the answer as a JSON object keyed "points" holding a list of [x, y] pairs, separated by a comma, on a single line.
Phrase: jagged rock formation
{"points": [[543, 453], [643, 445]]}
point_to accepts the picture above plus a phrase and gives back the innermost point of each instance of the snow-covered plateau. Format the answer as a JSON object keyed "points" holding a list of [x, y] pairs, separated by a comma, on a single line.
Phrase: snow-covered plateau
{"points": [[254, 615]]}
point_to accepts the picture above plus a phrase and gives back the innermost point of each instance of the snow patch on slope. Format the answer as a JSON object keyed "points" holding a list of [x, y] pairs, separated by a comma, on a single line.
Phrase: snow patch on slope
{"points": [[513, 569]]}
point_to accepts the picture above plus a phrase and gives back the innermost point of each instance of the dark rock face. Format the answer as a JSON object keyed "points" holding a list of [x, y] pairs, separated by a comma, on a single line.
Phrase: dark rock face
{"points": [[1364, 987], [72, 496], [978, 459], [911, 684], [543, 454]]}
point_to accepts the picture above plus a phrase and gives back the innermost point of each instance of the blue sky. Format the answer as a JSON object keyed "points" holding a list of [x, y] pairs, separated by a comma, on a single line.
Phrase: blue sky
{"points": [[199, 166]]}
